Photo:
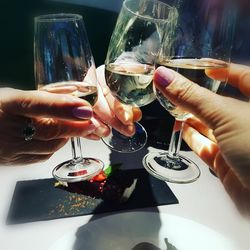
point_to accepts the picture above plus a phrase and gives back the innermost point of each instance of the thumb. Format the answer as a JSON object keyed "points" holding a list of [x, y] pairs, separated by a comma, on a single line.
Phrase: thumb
{"points": [[44, 104], [201, 102]]}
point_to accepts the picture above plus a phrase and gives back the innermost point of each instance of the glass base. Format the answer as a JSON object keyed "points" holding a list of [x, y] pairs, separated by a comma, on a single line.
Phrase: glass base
{"points": [[78, 170], [171, 169], [123, 144]]}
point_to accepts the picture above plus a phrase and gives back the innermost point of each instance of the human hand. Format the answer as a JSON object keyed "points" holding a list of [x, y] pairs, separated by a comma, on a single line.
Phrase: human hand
{"points": [[112, 112], [219, 133], [55, 120]]}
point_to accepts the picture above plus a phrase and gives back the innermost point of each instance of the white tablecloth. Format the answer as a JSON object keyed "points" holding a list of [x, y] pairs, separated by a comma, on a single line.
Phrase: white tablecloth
{"points": [[203, 201]]}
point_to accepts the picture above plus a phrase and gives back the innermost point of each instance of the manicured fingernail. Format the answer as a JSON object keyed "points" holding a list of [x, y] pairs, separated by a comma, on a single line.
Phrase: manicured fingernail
{"points": [[83, 112], [163, 77]]}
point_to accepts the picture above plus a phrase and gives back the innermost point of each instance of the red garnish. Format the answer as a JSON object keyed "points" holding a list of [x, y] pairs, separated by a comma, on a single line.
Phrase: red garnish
{"points": [[100, 177]]}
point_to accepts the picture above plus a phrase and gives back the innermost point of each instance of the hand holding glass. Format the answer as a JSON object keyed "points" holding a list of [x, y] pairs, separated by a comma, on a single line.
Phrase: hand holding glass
{"points": [[201, 41], [64, 64], [130, 61]]}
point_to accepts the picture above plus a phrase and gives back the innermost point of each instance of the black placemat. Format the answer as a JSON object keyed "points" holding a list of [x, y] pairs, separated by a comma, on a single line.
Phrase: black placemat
{"points": [[37, 200]]}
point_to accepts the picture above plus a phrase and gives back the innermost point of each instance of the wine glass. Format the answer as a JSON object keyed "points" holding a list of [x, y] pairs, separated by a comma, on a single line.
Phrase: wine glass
{"points": [[64, 64], [130, 61], [202, 41]]}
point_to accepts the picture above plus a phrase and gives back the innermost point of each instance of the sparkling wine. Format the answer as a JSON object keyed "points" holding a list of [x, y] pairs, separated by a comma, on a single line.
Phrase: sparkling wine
{"points": [[80, 89], [131, 83], [194, 70]]}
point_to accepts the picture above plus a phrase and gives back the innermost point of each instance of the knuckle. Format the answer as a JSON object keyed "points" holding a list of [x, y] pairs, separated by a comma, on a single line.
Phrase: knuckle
{"points": [[105, 91], [56, 131], [185, 91], [20, 102], [50, 129], [53, 146], [244, 81], [61, 130], [245, 74], [100, 131], [106, 132], [45, 157], [23, 105]]}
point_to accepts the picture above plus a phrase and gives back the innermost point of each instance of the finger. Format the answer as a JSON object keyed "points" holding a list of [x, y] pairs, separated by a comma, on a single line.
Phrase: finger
{"points": [[191, 97], [201, 145], [233, 185], [13, 127], [102, 130], [36, 147], [137, 114], [61, 89], [201, 127], [125, 113], [104, 112], [49, 129], [46, 128], [29, 159], [100, 73], [44, 104], [24, 159], [93, 137], [127, 130], [238, 76]]}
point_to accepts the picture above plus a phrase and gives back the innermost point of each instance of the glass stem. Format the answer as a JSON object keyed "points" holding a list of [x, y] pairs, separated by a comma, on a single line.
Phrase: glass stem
{"points": [[176, 139], [76, 148]]}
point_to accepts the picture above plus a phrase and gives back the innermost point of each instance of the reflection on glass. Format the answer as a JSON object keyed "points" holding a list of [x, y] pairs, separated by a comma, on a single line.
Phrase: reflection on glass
{"points": [[201, 43], [130, 61], [64, 65]]}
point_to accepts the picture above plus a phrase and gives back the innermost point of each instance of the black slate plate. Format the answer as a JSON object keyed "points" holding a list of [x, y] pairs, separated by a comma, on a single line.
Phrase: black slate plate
{"points": [[38, 200]]}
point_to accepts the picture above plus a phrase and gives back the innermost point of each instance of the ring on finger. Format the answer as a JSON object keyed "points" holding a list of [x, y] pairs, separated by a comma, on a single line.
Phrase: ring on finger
{"points": [[29, 130]]}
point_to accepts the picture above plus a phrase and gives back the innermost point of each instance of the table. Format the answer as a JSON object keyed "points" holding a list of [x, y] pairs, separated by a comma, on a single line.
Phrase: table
{"points": [[203, 201]]}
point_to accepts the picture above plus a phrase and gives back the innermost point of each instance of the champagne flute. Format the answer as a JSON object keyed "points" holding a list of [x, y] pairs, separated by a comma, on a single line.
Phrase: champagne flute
{"points": [[130, 61], [64, 64], [202, 41]]}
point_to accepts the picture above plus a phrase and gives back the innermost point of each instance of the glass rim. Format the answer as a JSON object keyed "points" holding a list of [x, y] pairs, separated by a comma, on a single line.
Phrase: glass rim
{"points": [[145, 17], [58, 17]]}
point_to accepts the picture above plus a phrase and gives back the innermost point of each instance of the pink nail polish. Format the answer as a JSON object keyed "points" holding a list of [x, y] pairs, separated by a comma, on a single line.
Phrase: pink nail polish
{"points": [[163, 77], [83, 112]]}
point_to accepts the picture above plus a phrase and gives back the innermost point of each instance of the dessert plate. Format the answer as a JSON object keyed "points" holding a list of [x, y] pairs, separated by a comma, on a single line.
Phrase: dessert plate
{"points": [[143, 231]]}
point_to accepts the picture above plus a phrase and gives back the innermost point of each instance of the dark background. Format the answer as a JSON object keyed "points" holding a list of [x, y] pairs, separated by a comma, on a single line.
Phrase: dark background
{"points": [[16, 38]]}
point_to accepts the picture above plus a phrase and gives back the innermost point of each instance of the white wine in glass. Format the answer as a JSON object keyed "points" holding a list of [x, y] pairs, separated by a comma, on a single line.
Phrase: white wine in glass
{"points": [[64, 65], [201, 42], [195, 70], [130, 61]]}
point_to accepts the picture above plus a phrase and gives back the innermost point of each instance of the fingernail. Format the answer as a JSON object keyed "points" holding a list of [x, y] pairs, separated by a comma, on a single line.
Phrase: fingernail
{"points": [[163, 77], [102, 132], [131, 128], [127, 116], [91, 128], [72, 99], [82, 112]]}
